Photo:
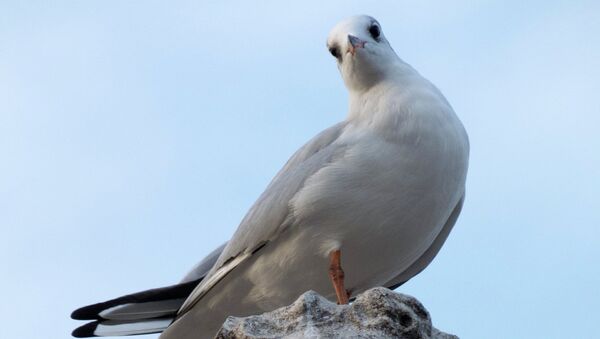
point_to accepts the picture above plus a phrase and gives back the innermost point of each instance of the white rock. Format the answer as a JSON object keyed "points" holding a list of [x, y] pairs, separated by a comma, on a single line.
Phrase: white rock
{"points": [[377, 313]]}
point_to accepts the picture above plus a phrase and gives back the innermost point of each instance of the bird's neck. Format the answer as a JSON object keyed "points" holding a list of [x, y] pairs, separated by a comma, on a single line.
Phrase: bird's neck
{"points": [[380, 98]]}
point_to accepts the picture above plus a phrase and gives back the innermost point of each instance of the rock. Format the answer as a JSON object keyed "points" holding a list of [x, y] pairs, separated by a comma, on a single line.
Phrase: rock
{"points": [[377, 313]]}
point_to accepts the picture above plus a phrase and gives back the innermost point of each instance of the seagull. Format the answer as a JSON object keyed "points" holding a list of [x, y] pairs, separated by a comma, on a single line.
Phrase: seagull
{"points": [[367, 202]]}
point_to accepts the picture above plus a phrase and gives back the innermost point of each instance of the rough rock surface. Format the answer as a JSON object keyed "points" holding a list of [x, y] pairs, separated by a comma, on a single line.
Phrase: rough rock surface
{"points": [[377, 313]]}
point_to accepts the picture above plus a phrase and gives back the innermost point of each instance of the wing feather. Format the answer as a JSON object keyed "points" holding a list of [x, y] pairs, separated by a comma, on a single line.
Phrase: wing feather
{"points": [[267, 217]]}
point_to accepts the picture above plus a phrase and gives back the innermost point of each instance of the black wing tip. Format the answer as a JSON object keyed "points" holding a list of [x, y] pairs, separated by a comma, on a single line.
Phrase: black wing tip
{"points": [[90, 312], [85, 331]]}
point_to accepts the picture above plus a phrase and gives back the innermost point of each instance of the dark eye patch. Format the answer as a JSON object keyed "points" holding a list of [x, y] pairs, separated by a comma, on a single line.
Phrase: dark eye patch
{"points": [[375, 31], [335, 52]]}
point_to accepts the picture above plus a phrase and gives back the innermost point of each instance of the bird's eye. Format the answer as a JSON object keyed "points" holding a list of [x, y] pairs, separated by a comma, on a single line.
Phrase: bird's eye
{"points": [[335, 52], [375, 31]]}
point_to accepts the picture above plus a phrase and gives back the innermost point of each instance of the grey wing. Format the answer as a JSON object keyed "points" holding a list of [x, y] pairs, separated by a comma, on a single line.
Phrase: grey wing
{"points": [[270, 212], [431, 252]]}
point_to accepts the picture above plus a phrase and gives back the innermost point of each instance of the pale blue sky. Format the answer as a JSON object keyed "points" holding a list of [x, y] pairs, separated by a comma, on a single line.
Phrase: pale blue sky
{"points": [[134, 135]]}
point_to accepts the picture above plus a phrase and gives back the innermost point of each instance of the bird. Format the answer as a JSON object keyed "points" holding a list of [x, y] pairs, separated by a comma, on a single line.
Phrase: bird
{"points": [[367, 202]]}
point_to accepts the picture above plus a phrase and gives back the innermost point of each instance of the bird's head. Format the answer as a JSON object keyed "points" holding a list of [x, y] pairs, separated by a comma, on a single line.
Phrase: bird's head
{"points": [[364, 56]]}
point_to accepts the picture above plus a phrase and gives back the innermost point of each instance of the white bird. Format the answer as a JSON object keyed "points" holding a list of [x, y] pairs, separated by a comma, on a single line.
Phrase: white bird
{"points": [[376, 194]]}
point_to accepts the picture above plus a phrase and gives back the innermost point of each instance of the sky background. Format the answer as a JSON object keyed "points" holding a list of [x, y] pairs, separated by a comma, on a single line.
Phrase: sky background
{"points": [[134, 136]]}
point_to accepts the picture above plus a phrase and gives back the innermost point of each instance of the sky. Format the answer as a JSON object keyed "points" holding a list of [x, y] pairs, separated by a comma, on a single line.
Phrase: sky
{"points": [[135, 135]]}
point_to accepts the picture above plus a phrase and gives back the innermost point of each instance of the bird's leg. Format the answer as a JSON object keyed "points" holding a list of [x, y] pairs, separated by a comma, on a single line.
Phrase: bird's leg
{"points": [[337, 277]]}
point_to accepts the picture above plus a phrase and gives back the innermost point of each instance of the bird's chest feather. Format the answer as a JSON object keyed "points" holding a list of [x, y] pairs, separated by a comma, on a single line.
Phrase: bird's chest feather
{"points": [[391, 185]]}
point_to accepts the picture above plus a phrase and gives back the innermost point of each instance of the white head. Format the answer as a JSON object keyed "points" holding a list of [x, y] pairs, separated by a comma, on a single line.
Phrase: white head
{"points": [[364, 56]]}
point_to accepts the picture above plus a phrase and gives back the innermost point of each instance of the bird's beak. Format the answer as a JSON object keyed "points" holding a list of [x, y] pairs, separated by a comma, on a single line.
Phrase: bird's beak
{"points": [[355, 43]]}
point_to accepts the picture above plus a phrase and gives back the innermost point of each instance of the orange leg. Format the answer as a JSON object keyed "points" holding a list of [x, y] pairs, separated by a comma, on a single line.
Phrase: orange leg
{"points": [[337, 277]]}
